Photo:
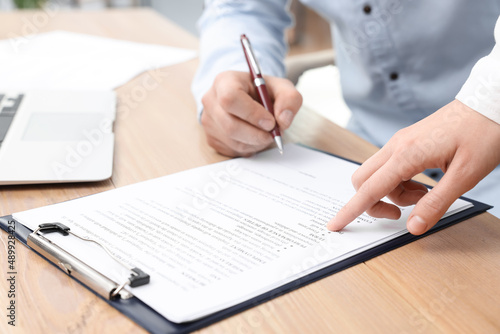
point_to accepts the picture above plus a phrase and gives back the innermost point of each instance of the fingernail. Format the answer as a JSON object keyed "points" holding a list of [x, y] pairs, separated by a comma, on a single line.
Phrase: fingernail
{"points": [[286, 118], [266, 124], [417, 225]]}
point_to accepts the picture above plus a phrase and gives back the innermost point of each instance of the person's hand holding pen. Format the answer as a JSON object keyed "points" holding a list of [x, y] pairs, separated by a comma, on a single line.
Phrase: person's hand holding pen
{"points": [[235, 123]]}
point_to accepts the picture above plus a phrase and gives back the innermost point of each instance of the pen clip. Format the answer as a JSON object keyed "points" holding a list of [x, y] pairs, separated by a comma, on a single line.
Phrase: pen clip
{"points": [[252, 60]]}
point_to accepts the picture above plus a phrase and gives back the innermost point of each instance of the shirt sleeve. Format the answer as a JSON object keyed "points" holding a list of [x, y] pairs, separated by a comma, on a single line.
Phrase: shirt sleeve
{"points": [[481, 91], [220, 26]]}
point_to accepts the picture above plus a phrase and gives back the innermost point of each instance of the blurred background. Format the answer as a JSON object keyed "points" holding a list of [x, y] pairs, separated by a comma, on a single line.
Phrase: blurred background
{"points": [[310, 34], [310, 62]]}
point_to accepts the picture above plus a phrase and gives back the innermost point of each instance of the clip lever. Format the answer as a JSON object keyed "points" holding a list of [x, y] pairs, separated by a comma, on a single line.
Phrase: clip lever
{"points": [[78, 269]]}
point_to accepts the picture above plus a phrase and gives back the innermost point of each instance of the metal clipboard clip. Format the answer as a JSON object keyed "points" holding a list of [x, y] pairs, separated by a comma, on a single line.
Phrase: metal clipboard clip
{"points": [[72, 266]]}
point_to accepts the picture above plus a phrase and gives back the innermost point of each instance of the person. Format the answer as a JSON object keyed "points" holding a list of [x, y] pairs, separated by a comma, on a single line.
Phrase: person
{"points": [[422, 79]]}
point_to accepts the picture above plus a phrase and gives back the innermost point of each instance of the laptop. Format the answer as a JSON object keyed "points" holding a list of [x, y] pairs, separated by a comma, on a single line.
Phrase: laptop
{"points": [[56, 136]]}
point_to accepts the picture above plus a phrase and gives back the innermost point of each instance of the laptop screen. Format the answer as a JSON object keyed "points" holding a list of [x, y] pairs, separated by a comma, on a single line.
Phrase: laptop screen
{"points": [[8, 108]]}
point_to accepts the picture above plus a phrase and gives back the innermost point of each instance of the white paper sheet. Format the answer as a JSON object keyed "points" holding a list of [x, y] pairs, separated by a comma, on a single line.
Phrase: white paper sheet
{"points": [[215, 236], [62, 60]]}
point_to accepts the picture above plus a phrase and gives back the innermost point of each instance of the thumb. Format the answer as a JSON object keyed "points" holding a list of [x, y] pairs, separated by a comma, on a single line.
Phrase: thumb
{"points": [[433, 205], [287, 100]]}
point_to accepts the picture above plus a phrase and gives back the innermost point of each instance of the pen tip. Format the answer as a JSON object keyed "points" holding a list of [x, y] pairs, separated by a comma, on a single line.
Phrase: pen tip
{"points": [[279, 143]]}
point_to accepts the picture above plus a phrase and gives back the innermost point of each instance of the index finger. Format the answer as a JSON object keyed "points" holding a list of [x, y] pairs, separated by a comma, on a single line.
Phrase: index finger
{"points": [[238, 102], [376, 187]]}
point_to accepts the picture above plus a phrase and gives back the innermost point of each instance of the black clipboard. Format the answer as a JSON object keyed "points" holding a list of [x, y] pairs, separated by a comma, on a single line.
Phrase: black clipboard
{"points": [[153, 322]]}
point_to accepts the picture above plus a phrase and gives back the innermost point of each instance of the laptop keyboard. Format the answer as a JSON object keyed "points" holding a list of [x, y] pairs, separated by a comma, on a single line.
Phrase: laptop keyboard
{"points": [[9, 104]]}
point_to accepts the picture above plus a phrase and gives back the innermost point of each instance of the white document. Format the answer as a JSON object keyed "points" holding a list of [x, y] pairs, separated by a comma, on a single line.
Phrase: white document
{"points": [[62, 60], [218, 235]]}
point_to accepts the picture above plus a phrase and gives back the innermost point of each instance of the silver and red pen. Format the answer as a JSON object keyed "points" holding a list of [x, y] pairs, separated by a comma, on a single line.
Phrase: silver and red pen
{"points": [[260, 85]]}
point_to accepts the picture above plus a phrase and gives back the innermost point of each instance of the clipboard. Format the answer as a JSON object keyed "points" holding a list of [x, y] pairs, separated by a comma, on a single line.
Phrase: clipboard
{"points": [[153, 322]]}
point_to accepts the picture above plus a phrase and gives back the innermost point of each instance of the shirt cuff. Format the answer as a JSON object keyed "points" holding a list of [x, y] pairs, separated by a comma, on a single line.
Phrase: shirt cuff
{"points": [[481, 91]]}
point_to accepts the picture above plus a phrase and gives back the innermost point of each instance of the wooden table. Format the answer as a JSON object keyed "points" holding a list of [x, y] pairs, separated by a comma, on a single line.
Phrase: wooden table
{"points": [[446, 282]]}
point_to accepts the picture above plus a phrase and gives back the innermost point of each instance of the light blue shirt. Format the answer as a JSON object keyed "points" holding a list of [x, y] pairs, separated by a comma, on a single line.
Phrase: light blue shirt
{"points": [[399, 60]]}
